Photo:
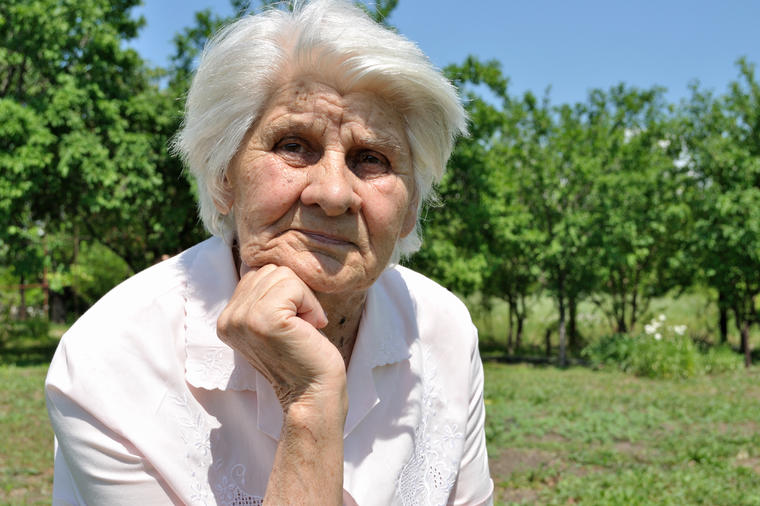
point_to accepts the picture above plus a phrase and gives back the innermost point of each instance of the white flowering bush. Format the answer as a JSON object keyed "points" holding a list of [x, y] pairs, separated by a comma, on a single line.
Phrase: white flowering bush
{"points": [[662, 351]]}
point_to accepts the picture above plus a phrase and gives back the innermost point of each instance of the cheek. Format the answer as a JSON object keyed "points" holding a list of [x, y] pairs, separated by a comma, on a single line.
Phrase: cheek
{"points": [[386, 209], [265, 194]]}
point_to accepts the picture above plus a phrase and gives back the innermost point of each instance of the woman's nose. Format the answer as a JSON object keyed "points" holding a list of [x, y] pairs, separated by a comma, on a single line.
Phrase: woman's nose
{"points": [[331, 185]]}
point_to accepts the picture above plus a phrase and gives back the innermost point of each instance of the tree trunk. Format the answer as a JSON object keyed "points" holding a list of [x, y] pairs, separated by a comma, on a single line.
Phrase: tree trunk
{"points": [[562, 336], [619, 309], [740, 328], [73, 261], [548, 342], [510, 316], [745, 344], [518, 334], [520, 322], [723, 318], [634, 308], [45, 285], [622, 328], [22, 293], [618, 305], [572, 334]]}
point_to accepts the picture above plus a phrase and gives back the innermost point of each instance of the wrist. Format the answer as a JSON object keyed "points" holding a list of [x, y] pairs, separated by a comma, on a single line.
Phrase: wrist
{"points": [[318, 406]]}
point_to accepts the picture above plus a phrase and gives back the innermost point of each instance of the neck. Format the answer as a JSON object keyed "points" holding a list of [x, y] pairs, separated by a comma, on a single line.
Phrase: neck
{"points": [[343, 314]]}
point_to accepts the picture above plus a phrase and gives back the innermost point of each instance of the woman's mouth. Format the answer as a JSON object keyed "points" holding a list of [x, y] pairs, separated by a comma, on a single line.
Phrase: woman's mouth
{"points": [[325, 238]]}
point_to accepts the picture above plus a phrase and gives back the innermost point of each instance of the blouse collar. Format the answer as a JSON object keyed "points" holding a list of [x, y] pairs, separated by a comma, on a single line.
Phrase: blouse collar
{"points": [[210, 364]]}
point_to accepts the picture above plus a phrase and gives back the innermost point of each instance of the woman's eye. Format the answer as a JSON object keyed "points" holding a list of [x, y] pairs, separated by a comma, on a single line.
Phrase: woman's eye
{"points": [[370, 163], [370, 158], [296, 151], [292, 147]]}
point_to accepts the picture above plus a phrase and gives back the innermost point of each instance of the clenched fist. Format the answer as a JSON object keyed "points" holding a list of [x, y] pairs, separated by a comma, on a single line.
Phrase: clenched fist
{"points": [[273, 319]]}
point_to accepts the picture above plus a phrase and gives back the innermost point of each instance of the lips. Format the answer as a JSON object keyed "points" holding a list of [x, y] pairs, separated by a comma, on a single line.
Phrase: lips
{"points": [[325, 238]]}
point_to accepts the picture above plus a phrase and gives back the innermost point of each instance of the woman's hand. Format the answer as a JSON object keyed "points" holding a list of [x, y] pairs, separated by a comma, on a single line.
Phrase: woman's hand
{"points": [[273, 319]]}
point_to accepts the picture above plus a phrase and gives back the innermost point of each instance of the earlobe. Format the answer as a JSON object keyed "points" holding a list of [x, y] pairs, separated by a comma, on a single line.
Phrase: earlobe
{"points": [[224, 203], [410, 220]]}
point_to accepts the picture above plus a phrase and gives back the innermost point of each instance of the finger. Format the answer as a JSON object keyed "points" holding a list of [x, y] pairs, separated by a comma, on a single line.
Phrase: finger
{"points": [[294, 295], [245, 269]]}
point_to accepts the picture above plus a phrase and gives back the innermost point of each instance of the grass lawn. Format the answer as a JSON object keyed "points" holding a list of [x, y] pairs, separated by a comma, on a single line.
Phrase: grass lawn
{"points": [[26, 439], [571, 436], [578, 436]]}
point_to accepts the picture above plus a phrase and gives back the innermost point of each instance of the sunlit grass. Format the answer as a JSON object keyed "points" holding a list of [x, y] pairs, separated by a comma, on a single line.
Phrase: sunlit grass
{"points": [[582, 437], [26, 439]]}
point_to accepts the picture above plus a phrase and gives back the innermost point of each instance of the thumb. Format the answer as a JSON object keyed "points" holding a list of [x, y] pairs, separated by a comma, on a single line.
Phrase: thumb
{"points": [[310, 310]]}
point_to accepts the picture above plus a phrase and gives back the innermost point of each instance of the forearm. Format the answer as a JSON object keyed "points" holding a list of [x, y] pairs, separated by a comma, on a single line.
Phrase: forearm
{"points": [[308, 464]]}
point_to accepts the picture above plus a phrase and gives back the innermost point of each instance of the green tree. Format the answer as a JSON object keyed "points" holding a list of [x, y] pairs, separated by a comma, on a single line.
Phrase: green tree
{"points": [[722, 143], [84, 135], [554, 182], [640, 220], [480, 239]]}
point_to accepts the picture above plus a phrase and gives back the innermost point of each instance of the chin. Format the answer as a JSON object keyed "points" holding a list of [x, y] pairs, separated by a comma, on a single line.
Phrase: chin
{"points": [[326, 282], [330, 276]]}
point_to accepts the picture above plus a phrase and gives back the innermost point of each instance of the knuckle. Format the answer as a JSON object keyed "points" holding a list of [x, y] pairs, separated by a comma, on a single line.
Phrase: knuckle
{"points": [[253, 323]]}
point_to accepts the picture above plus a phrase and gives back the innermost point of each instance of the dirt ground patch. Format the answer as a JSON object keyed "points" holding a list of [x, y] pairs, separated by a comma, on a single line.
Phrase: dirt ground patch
{"points": [[640, 452], [743, 428], [744, 460], [512, 460], [516, 495], [549, 437]]}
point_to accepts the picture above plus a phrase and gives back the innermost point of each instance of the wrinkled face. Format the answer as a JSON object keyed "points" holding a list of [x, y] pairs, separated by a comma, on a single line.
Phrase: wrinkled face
{"points": [[323, 184]]}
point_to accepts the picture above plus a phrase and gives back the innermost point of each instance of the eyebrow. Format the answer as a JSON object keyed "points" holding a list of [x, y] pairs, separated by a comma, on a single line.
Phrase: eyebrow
{"points": [[381, 142], [287, 123], [298, 124]]}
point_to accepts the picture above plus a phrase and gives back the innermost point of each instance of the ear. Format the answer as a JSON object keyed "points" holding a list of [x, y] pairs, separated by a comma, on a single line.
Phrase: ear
{"points": [[410, 220], [224, 203]]}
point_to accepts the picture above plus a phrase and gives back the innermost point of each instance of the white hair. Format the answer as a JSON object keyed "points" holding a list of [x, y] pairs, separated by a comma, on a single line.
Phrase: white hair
{"points": [[332, 40]]}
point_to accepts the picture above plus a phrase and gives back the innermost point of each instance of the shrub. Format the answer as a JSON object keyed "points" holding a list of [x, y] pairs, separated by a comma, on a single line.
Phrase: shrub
{"points": [[660, 352], [721, 359], [615, 349], [11, 329], [677, 357], [97, 270]]}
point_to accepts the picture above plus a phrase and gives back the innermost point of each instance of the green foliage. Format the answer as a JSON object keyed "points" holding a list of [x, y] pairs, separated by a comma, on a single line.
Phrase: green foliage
{"points": [[13, 329], [616, 200], [97, 269], [84, 135], [677, 357], [721, 136], [720, 359], [613, 349], [660, 353]]}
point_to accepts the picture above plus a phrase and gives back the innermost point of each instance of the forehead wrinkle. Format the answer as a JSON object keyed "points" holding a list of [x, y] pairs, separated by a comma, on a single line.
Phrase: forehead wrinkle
{"points": [[298, 121], [315, 108], [378, 117], [379, 141]]}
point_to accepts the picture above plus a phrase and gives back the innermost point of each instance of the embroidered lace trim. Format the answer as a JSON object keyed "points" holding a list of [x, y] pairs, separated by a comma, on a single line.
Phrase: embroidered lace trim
{"points": [[229, 493], [429, 475]]}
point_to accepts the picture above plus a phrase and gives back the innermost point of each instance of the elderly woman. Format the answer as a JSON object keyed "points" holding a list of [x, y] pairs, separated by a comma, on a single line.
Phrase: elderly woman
{"points": [[288, 359]]}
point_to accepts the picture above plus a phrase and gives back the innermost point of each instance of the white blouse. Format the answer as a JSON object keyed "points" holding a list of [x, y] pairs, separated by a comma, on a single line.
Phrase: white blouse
{"points": [[150, 407]]}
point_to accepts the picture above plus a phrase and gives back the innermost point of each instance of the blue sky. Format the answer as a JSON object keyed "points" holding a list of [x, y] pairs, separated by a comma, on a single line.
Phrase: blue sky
{"points": [[572, 46]]}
